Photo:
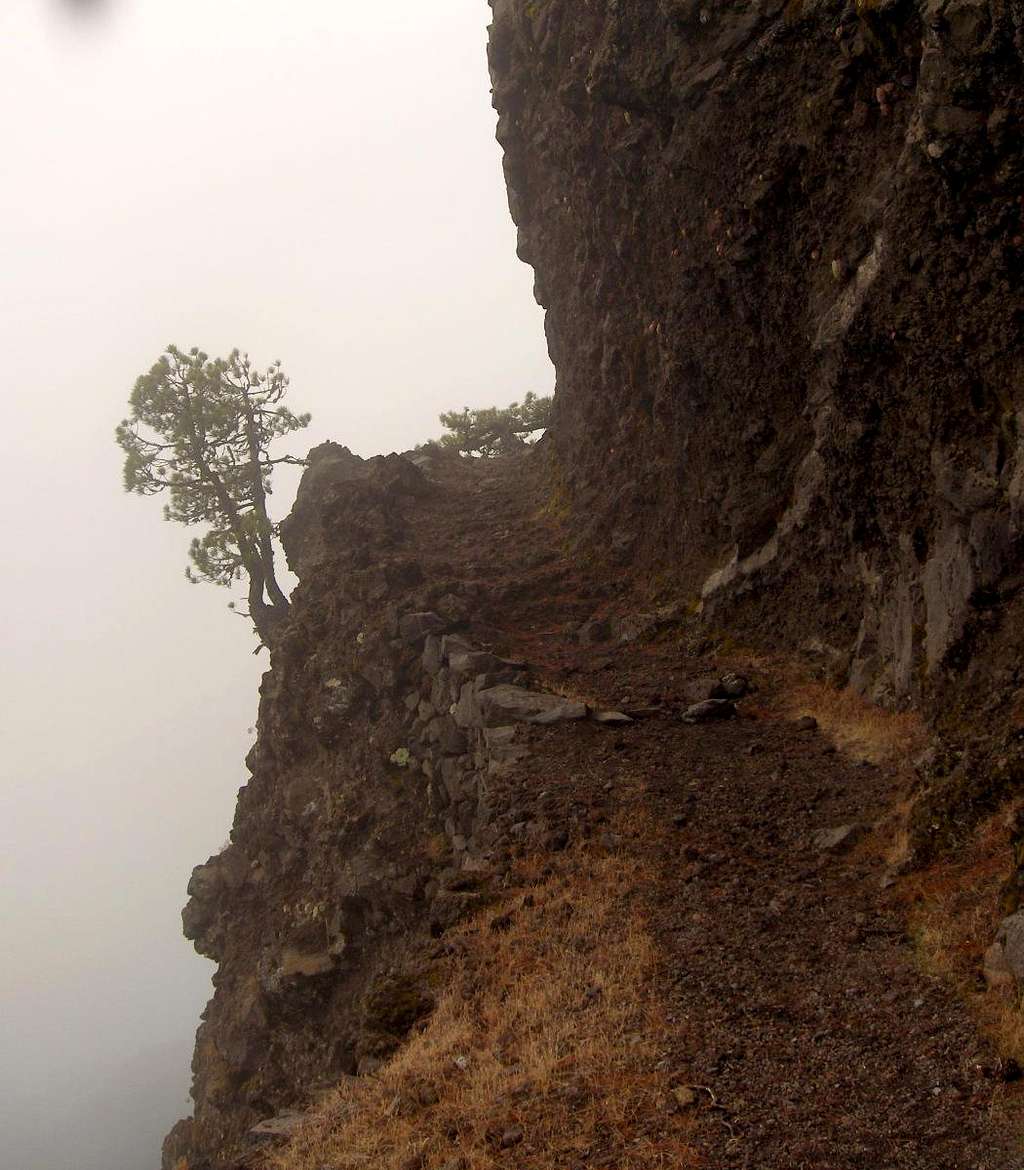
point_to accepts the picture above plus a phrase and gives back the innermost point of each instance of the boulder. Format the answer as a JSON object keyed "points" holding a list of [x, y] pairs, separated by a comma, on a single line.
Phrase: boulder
{"points": [[709, 710], [635, 626], [511, 1137], [466, 712], [454, 644], [596, 630], [494, 678], [611, 718], [684, 1096], [473, 662], [730, 686], [433, 658], [996, 969], [510, 704], [698, 688], [502, 746], [442, 693], [452, 739]]}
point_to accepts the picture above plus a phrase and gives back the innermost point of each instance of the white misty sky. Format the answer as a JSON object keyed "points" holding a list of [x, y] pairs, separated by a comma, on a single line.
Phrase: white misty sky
{"points": [[315, 181]]}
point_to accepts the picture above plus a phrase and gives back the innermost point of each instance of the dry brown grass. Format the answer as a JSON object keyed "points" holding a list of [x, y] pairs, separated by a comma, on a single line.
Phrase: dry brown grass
{"points": [[894, 832], [857, 727], [549, 1022], [953, 918]]}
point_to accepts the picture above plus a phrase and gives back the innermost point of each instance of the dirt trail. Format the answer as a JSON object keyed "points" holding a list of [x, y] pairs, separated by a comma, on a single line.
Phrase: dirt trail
{"points": [[811, 1037]]}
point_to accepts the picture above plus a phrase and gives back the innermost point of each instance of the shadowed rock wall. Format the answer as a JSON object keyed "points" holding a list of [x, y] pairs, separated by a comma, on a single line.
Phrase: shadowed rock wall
{"points": [[780, 247]]}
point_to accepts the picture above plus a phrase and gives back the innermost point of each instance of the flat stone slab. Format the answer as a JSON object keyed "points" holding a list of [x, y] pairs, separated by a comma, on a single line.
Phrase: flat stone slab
{"points": [[651, 712], [511, 704]]}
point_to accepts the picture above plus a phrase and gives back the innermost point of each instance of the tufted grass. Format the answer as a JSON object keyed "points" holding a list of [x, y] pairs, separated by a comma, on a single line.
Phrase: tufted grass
{"points": [[548, 1022]]}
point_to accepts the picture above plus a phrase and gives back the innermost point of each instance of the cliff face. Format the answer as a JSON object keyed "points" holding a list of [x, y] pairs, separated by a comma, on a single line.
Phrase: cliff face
{"points": [[779, 245], [327, 861], [368, 825]]}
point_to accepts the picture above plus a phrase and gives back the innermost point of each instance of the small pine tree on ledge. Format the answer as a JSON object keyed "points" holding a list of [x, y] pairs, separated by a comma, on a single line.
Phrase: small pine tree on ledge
{"points": [[200, 430], [495, 431]]}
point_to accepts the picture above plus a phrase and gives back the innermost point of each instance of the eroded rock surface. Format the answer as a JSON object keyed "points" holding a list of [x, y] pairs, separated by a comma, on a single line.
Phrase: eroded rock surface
{"points": [[779, 246]]}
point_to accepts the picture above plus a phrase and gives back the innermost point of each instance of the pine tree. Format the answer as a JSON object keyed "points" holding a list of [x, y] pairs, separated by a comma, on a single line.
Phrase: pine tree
{"points": [[494, 430], [199, 431]]}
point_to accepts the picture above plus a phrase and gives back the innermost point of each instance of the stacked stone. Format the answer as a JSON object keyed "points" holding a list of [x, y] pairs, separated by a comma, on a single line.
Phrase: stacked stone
{"points": [[465, 717]]}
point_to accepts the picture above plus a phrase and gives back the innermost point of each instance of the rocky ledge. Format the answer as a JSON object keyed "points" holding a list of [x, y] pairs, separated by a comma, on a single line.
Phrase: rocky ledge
{"points": [[367, 827]]}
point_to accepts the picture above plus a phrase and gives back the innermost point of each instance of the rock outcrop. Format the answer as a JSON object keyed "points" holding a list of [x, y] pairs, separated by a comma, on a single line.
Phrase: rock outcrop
{"points": [[367, 825], [435, 744]]}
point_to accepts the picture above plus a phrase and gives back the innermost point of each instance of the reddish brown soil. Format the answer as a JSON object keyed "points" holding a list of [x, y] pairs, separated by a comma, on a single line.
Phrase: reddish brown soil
{"points": [[813, 1038]]}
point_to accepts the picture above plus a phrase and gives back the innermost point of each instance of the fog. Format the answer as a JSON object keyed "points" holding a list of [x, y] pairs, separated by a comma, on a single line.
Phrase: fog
{"points": [[316, 182]]}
